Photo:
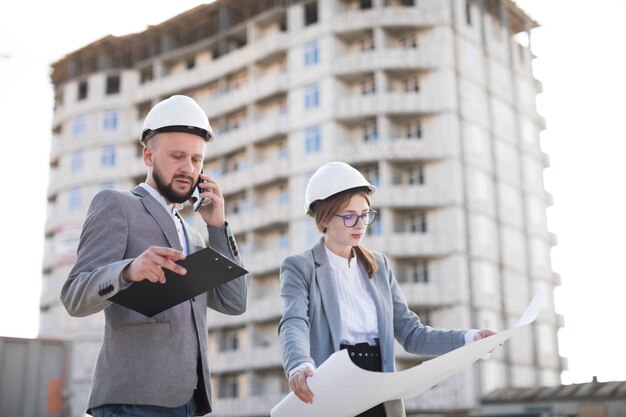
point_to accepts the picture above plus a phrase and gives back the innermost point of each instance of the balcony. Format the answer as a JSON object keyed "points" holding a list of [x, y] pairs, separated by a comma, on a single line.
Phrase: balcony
{"points": [[267, 127], [269, 44], [265, 261], [201, 74], [385, 59], [269, 85], [427, 295], [234, 181], [411, 244], [397, 103], [414, 196], [260, 216], [252, 406], [245, 360], [269, 170], [353, 21], [265, 308], [396, 149]]}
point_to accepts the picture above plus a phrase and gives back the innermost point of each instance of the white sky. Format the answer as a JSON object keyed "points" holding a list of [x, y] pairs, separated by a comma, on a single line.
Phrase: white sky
{"points": [[582, 72]]}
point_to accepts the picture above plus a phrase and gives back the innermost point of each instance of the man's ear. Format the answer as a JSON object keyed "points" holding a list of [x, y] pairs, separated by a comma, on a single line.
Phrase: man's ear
{"points": [[148, 155]]}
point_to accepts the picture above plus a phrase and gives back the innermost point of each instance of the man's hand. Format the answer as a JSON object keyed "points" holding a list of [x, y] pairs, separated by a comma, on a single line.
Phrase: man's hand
{"points": [[298, 384], [212, 211], [150, 264]]}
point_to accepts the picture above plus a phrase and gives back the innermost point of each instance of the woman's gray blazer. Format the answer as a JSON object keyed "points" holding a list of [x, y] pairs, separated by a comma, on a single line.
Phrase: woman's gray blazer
{"points": [[310, 325]]}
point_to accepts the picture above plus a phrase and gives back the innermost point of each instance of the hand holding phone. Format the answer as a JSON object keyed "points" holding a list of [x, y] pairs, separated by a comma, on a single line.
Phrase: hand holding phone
{"points": [[197, 200]]}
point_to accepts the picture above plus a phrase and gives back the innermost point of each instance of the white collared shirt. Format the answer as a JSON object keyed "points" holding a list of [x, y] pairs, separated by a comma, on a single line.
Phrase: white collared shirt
{"points": [[172, 210], [359, 320]]}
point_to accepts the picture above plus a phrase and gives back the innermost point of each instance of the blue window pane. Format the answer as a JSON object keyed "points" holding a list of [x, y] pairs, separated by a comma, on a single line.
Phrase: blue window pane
{"points": [[312, 96], [313, 140], [77, 161], [80, 126], [108, 157], [75, 198], [311, 53], [110, 120]]}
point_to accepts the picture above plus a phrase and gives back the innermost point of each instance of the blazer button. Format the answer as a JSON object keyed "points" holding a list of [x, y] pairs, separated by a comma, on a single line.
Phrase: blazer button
{"points": [[193, 300], [236, 253]]}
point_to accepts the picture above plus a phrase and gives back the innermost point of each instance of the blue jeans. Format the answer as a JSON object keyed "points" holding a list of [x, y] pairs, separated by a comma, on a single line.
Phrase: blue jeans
{"points": [[126, 410]]}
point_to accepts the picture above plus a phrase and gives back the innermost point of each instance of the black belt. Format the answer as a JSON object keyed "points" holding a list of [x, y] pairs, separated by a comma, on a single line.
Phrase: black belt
{"points": [[365, 356]]}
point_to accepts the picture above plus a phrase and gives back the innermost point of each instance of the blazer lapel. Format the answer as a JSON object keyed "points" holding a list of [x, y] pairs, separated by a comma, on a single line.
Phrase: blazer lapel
{"points": [[161, 216], [328, 291]]}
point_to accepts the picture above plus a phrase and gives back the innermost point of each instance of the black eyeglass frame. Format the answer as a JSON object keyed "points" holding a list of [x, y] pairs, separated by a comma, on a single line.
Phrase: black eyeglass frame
{"points": [[370, 215]]}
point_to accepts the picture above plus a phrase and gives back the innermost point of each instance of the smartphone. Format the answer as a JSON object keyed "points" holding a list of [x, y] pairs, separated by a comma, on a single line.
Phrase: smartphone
{"points": [[198, 201]]}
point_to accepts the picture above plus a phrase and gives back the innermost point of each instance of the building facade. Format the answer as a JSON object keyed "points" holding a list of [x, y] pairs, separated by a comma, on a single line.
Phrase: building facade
{"points": [[433, 100]]}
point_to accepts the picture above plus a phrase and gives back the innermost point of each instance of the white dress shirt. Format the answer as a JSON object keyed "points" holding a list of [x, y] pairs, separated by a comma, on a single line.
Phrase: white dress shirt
{"points": [[359, 321]]}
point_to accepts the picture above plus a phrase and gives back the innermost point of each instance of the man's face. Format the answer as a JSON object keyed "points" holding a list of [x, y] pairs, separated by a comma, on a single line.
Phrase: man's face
{"points": [[175, 160]]}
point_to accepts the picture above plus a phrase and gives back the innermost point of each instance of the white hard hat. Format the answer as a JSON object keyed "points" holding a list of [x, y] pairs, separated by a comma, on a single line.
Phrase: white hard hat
{"points": [[177, 114], [330, 179]]}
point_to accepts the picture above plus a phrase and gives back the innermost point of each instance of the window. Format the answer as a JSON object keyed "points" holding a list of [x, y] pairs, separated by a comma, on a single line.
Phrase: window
{"points": [[311, 53], [110, 120], [191, 63], [413, 130], [365, 4], [312, 96], [75, 198], [366, 43], [368, 86], [108, 156], [312, 140], [418, 272], [468, 12], [283, 196], [376, 228], [283, 241], [80, 126], [371, 174], [229, 386], [282, 152], [77, 161], [146, 74], [411, 84], [113, 84], [310, 13], [409, 40], [370, 132], [416, 175], [82, 90], [417, 223], [229, 340]]}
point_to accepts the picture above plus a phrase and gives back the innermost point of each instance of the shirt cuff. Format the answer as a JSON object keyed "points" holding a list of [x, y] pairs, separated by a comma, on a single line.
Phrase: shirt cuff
{"points": [[469, 336], [302, 365]]}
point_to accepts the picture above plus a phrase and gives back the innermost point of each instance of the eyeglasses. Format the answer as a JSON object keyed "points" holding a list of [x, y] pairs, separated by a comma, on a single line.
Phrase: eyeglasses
{"points": [[350, 220]]}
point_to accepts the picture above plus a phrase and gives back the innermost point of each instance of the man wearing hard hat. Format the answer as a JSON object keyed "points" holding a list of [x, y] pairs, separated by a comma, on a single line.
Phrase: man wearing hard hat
{"points": [[154, 366]]}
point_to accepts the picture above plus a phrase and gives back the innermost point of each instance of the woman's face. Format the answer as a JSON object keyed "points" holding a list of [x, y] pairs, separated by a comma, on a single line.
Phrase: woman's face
{"points": [[337, 234]]}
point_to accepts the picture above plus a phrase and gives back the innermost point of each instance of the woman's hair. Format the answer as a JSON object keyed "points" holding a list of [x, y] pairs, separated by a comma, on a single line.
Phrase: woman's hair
{"points": [[324, 211]]}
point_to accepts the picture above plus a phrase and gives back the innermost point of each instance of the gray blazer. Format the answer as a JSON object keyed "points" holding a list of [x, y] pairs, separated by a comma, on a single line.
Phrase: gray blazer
{"points": [[310, 325], [145, 360]]}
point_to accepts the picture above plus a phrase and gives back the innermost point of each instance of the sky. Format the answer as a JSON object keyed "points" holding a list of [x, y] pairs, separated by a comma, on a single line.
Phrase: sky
{"points": [[577, 61]]}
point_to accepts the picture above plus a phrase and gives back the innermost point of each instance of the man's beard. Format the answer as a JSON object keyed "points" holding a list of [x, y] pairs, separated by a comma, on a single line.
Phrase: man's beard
{"points": [[167, 190]]}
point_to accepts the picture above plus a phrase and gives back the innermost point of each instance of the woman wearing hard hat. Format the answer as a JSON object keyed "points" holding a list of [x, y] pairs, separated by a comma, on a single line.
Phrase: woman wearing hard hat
{"points": [[340, 295]]}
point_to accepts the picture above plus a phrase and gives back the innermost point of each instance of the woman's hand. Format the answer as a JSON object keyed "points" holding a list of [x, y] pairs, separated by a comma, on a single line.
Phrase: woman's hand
{"points": [[298, 384]]}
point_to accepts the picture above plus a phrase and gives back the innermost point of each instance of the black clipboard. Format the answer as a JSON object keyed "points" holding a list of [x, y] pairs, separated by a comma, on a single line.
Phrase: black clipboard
{"points": [[206, 269]]}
